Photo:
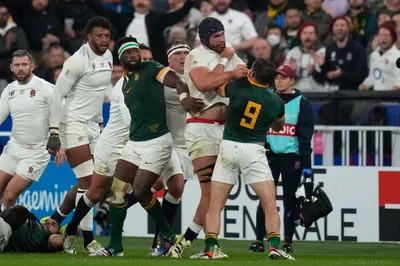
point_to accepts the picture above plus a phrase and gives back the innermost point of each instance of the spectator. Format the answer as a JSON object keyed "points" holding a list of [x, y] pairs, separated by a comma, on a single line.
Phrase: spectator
{"points": [[43, 26], [277, 41], [239, 29], [364, 21], [292, 23], [345, 65], [11, 38], [314, 13], [389, 6], [54, 57], [185, 29], [275, 15], [384, 16], [261, 49], [177, 32], [145, 52], [383, 74], [307, 58], [206, 8], [143, 21], [194, 17], [335, 8]]}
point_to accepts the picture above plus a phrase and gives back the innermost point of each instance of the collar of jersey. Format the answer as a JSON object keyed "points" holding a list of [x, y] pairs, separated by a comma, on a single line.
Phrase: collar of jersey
{"points": [[255, 83]]}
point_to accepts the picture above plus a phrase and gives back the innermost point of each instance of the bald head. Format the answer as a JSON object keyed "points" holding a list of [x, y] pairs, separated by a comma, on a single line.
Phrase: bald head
{"points": [[262, 49]]}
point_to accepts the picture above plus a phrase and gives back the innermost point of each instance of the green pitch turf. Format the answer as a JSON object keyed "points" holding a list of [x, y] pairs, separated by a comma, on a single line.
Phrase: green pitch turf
{"points": [[306, 253]]}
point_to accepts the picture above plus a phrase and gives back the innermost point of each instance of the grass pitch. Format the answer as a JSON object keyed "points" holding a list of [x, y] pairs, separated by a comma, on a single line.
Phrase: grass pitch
{"points": [[306, 253]]}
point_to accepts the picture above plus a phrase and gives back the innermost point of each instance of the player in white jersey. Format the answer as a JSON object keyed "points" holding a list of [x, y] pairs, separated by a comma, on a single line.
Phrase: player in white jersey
{"points": [[179, 168], [24, 158], [206, 68], [84, 80], [106, 154]]}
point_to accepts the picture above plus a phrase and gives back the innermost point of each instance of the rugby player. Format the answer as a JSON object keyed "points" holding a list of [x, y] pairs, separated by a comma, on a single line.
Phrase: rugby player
{"points": [[28, 100], [20, 232], [84, 80], [179, 168], [252, 111], [206, 68], [149, 149]]}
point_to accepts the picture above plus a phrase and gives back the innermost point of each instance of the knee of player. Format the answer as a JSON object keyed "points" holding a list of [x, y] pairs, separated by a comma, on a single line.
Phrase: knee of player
{"points": [[119, 189], [95, 194]]}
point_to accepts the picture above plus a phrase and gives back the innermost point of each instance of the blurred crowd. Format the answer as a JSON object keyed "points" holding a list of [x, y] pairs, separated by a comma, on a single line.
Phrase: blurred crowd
{"points": [[332, 44]]}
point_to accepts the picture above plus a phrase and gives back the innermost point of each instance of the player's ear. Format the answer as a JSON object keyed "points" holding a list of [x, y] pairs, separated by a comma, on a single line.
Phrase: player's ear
{"points": [[33, 66], [11, 68]]}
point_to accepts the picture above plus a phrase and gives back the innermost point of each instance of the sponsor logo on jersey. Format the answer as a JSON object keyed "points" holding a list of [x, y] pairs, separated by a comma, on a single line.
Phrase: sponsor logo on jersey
{"points": [[30, 170], [288, 130], [32, 93]]}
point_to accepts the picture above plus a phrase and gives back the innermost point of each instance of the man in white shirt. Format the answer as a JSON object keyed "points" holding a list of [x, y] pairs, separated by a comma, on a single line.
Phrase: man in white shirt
{"points": [[239, 29], [85, 78], [383, 73], [206, 68], [306, 58], [24, 158]]}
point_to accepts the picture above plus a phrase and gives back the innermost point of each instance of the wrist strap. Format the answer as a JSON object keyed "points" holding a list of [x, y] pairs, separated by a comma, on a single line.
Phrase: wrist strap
{"points": [[54, 131], [183, 95], [223, 61]]}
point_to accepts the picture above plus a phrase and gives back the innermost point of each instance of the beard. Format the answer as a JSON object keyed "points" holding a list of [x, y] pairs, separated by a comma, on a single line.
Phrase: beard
{"points": [[133, 67], [217, 49], [222, 8], [22, 76]]}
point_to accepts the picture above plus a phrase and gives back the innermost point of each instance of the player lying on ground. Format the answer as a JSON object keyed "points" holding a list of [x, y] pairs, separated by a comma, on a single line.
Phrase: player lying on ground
{"points": [[252, 111], [21, 232]]}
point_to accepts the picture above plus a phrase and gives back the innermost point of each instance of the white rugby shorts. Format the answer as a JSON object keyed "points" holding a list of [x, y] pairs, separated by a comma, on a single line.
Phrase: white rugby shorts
{"points": [[180, 163], [27, 163], [151, 155], [203, 139], [247, 159], [74, 134], [106, 158]]}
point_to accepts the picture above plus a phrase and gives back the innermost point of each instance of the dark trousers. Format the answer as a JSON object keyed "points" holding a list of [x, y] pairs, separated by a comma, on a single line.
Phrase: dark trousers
{"points": [[289, 166]]}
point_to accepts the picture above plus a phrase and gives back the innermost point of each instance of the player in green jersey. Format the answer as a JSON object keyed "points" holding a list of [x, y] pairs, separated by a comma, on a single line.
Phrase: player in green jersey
{"points": [[252, 111], [20, 232], [149, 148]]}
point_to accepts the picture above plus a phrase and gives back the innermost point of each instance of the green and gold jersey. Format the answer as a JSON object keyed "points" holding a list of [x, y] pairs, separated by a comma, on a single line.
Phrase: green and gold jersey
{"points": [[144, 97], [252, 109], [24, 240]]}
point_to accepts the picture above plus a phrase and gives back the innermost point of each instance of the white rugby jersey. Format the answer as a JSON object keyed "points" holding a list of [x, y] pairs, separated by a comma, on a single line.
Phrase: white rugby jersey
{"points": [[383, 73], [176, 116], [116, 132], [84, 80], [29, 106], [304, 79], [203, 57]]}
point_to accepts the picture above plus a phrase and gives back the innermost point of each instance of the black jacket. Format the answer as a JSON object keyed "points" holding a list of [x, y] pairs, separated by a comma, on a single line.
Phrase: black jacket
{"points": [[155, 24], [304, 127], [351, 59], [35, 24]]}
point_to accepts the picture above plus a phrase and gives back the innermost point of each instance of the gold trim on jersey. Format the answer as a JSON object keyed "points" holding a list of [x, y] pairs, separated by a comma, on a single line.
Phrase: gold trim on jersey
{"points": [[255, 83], [160, 76]]}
